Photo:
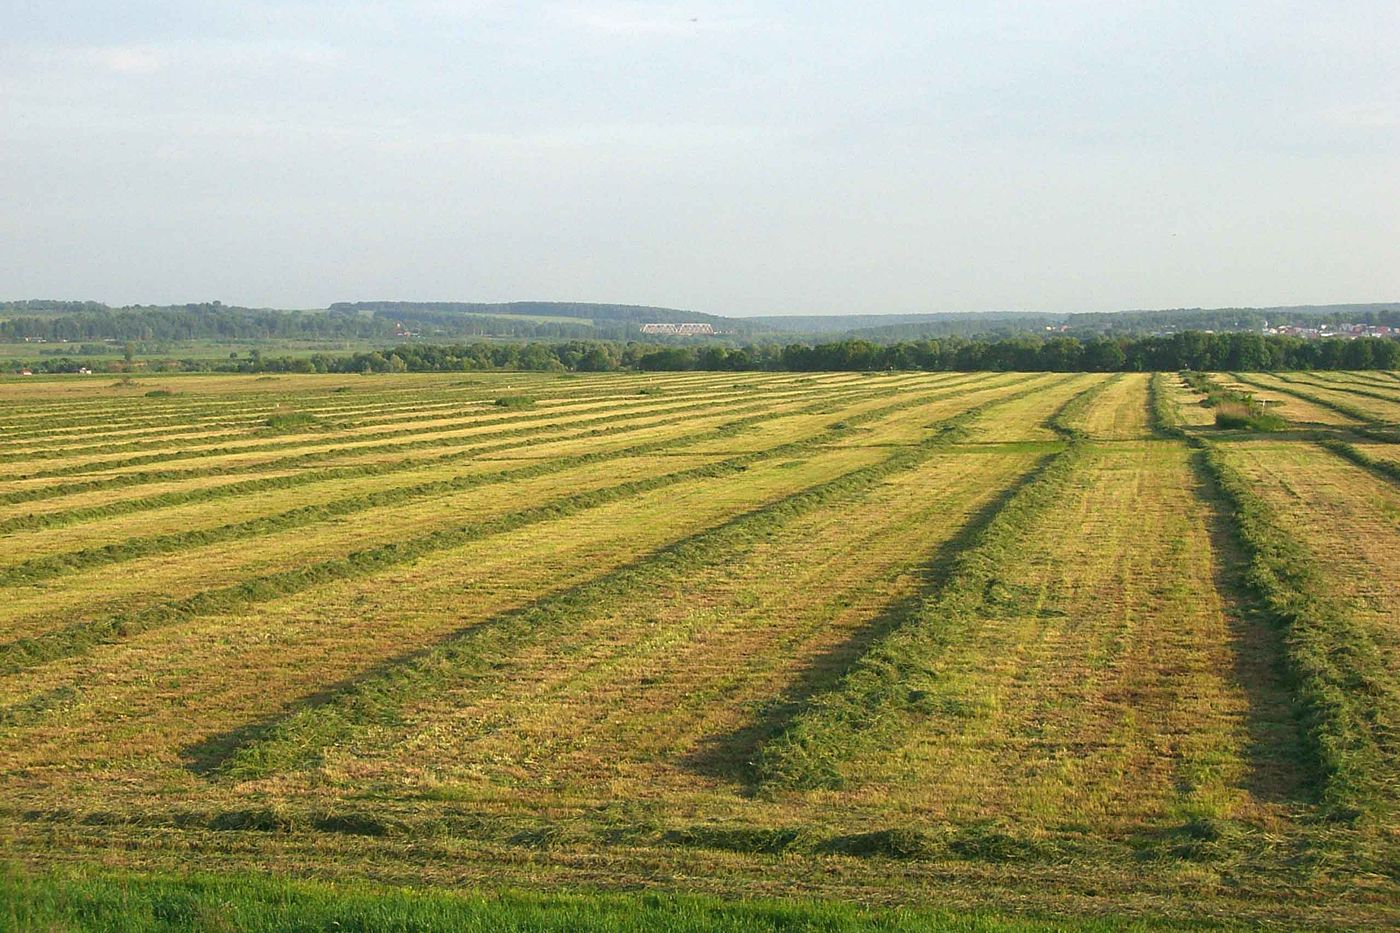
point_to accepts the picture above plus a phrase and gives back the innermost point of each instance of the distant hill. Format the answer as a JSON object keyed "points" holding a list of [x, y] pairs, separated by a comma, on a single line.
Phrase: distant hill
{"points": [[606, 321], [910, 326], [590, 311], [889, 328], [445, 321], [56, 320]]}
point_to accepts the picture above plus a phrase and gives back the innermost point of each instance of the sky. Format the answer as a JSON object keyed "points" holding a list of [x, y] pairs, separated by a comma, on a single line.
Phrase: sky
{"points": [[729, 157]]}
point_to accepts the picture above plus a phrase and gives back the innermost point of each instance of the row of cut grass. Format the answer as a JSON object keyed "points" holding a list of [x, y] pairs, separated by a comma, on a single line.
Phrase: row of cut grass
{"points": [[874, 698], [1386, 393], [96, 594], [93, 412], [1336, 667], [653, 692], [1121, 413], [1277, 383], [82, 636], [472, 422], [1385, 467], [1107, 680], [31, 493], [295, 415], [1164, 409], [298, 740], [459, 447], [146, 699], [44, 567]]}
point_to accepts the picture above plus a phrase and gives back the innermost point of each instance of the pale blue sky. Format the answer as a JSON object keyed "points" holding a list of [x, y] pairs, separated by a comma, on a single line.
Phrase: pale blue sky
{"points": [[731, 157]]}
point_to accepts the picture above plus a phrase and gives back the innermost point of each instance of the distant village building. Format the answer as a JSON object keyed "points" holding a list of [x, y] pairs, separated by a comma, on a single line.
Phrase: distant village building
{"points": [[1347, 331], [681, 330]]}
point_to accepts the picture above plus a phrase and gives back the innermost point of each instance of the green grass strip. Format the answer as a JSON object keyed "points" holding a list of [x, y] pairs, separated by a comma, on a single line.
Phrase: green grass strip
{"points": [[103, 901], [1163, 415]]}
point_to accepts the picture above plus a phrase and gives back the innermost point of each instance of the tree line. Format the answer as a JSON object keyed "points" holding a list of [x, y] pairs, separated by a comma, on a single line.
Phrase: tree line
{"points": [[75, 321], [1190, 350]]}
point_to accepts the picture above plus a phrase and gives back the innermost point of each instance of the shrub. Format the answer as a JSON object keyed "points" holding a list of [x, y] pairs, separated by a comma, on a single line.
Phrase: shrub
{"points": [[285, 420], [515, 401], [1243, 416], [1235, 410], [1231, 415], [899, 843]]}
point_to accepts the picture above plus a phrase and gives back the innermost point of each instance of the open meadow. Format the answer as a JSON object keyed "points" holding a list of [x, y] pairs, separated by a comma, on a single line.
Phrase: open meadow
{"points": [[992, 651]]}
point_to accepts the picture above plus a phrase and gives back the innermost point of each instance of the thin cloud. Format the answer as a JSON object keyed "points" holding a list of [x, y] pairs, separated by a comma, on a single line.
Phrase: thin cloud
{"points": [[130, 60], [649, 20], [155, 58], [1369, 115]]}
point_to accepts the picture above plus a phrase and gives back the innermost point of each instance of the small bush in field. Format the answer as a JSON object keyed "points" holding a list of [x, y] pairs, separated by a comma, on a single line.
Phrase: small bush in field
{"points": [[288, 420]]}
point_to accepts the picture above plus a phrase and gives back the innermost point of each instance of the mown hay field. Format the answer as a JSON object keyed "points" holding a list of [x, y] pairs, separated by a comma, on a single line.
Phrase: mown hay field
{"points": [[1044, 643]]}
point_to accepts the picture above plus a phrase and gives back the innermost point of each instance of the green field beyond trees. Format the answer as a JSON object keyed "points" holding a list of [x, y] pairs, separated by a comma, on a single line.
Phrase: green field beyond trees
{"points": [[750, 651]]}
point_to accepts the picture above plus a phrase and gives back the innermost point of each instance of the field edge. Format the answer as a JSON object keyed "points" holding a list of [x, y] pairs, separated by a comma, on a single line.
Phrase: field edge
{"points": [[76, 900]]}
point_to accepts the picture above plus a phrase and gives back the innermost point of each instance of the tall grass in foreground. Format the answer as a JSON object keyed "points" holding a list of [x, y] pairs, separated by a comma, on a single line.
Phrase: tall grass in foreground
{"points": [[140, 904]]}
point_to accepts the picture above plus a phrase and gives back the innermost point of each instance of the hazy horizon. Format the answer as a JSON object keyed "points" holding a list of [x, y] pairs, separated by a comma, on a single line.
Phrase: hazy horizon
{"points": [[675, 307], [724, 157]]}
